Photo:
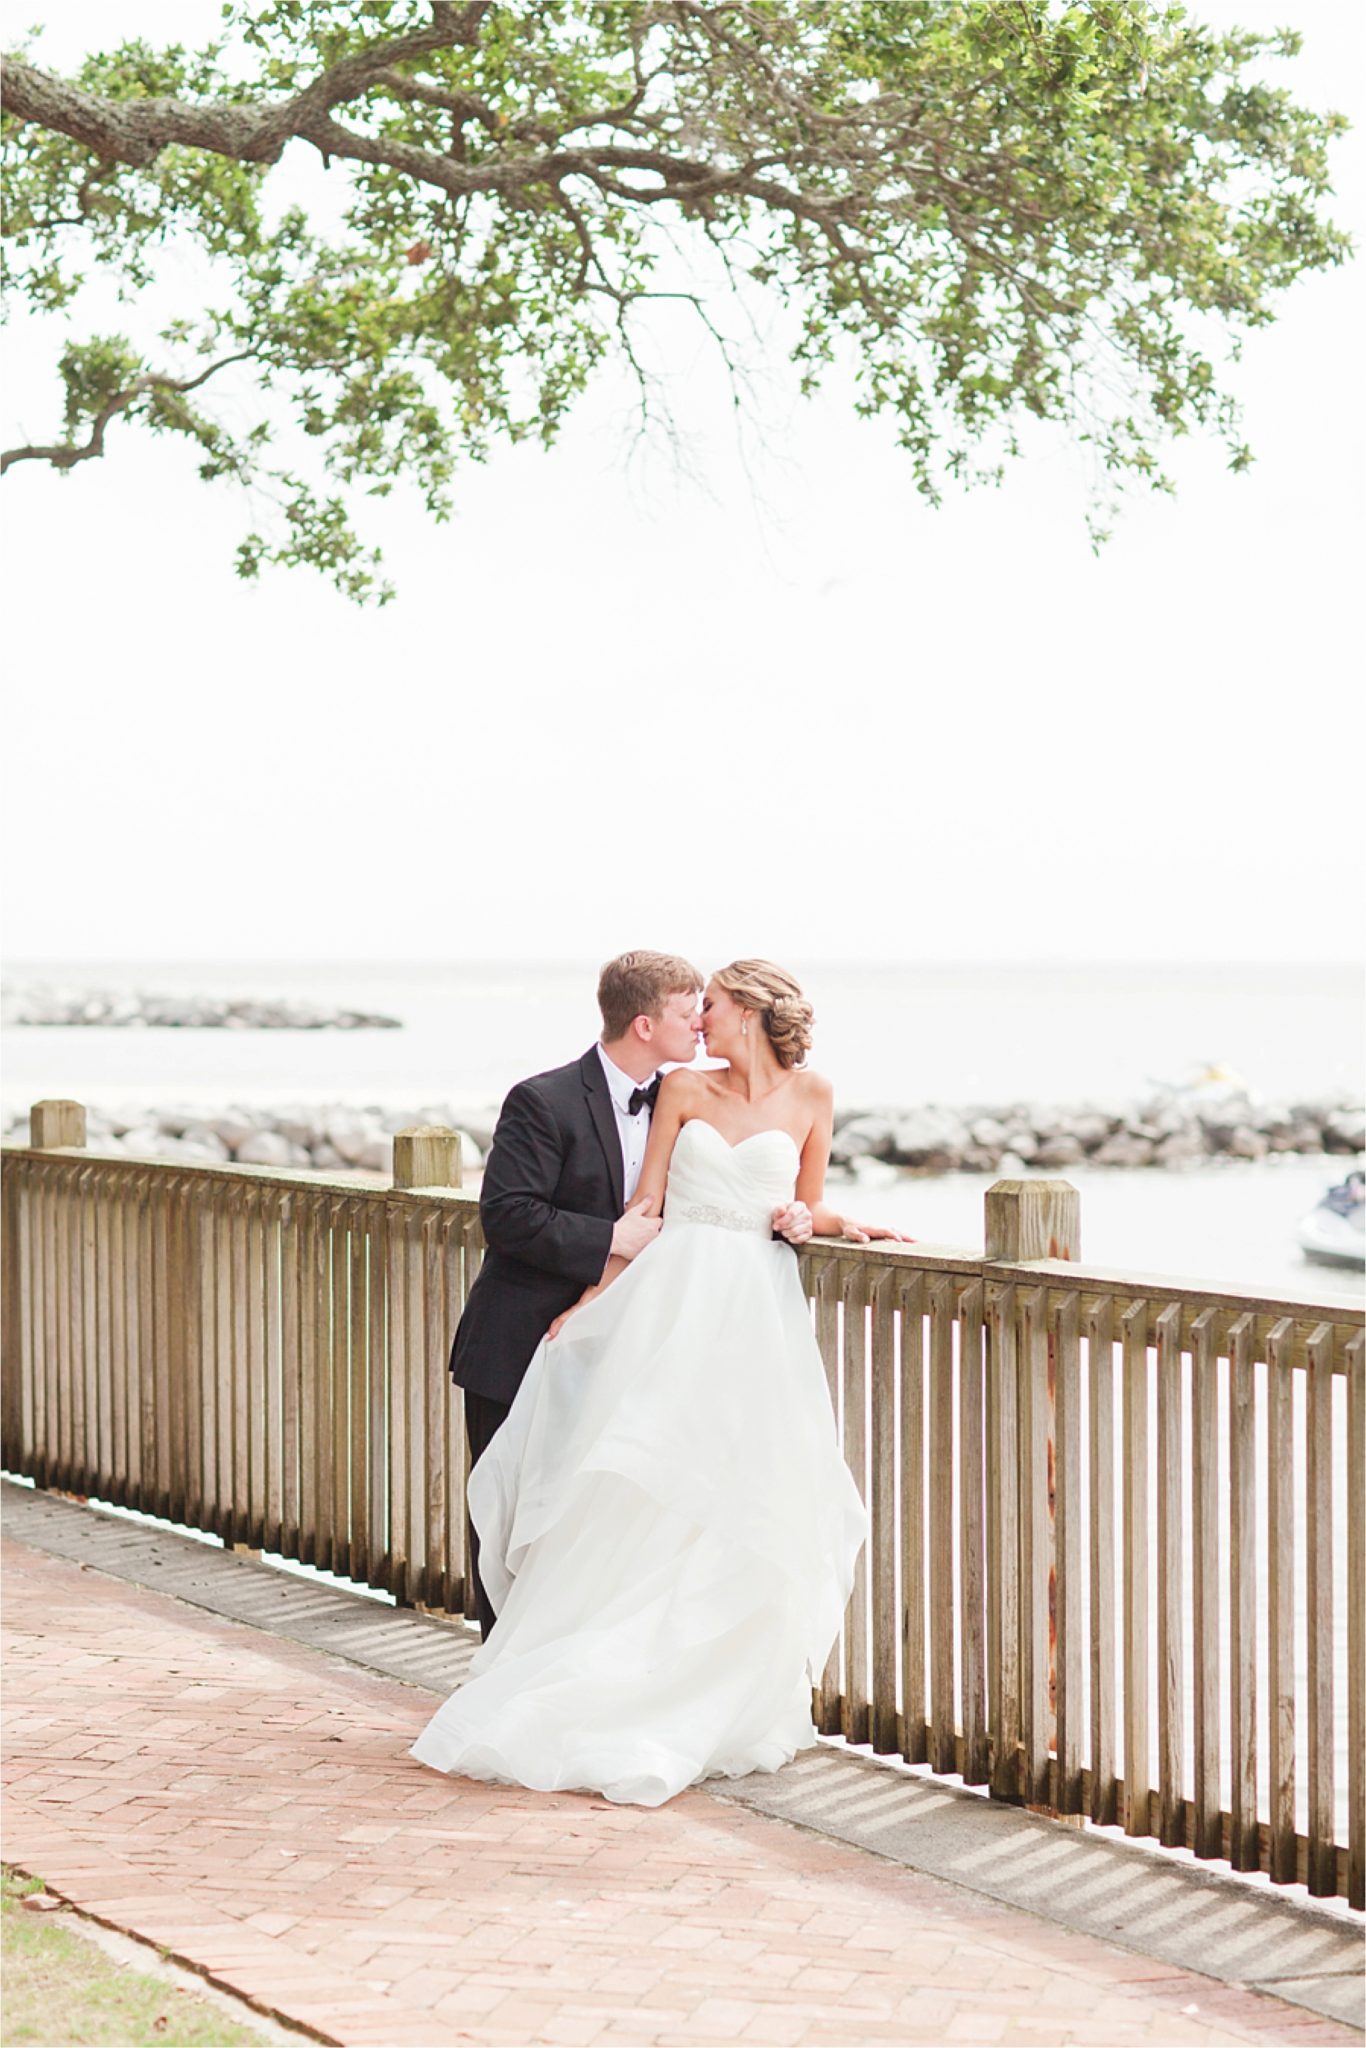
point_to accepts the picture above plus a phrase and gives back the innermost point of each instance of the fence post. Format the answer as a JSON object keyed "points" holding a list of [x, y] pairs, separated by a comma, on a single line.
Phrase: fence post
{"points": [[56, 1123], [1028, 1220], [427, 1156], [1033, 1219]]}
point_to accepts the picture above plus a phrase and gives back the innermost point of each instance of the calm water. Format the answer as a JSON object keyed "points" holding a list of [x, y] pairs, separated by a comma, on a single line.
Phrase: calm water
{"points": [[884, 1034], [888, 1035]]}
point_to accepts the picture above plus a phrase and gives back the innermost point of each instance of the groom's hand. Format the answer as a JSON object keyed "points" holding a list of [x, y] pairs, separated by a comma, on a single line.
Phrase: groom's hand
{"points": [[793, 1222], [633, 1231]]}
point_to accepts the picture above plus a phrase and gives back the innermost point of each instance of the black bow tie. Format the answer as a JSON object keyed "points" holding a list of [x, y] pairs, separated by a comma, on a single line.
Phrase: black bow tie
{"points": [[643, 1098]]}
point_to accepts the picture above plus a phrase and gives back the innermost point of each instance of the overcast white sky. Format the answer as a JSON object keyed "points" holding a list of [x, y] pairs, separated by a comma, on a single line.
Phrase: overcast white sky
{"points": [[611, 707]]}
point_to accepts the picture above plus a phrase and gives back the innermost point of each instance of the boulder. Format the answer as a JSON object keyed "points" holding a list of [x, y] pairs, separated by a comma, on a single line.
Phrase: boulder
{"points": [[378, 1156], [238, 1125], [471, 1152], [1244, 1142], [297, 1127], [929, 1137], [207, 1140], [348, 1132], [1124, 1148], [265, 1148], [1296, 1137], [194, 1152], [862, 1137], [175, 1122], [326, 1158], [144, 1140], [1219, 1120], [1180, 1148], [990, 1132], [1345, 1131], [1091, 1127], [1061, 1149]]}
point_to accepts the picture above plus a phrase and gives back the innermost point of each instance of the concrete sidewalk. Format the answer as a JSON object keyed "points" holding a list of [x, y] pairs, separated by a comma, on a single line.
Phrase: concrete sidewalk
{"points": [[245, 1800]]}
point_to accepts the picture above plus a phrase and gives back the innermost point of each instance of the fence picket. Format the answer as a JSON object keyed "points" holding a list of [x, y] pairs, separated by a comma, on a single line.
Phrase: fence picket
{"points": [[1280, 1543], [972, 1562], [1100, 1362], [882, 1534], [1035, 1545], [1068, 1543], [1355, 1362], [915, 1718], [1170, 1615], [828, 1692], [1322, 1872], [1205, 1583], [1003, 1478], [854, 1704], [1137, 1770], [1244, 1849], [943, 1690]]}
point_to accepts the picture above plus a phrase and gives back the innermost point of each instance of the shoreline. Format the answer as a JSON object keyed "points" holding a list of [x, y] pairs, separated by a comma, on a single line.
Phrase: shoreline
{"points": [[1170, 1131]]}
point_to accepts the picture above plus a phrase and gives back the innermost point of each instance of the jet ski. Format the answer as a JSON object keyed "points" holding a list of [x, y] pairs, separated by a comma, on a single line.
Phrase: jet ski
{"points": [[1334, 1234]]}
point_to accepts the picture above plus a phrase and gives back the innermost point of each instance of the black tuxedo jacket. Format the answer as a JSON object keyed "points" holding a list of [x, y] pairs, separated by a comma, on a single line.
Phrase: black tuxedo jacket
{"points": [[551, 1193]]}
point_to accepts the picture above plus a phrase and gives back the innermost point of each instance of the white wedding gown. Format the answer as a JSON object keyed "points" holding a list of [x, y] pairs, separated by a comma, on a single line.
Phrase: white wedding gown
{"points": [[667, 1529]]}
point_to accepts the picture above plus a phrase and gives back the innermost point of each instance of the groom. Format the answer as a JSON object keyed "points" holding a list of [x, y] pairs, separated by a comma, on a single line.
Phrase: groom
{"points": [[556, 1199]]}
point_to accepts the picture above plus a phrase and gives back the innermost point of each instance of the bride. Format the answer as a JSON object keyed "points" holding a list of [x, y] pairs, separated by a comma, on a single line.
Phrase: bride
{"points": [[667, 1529]]}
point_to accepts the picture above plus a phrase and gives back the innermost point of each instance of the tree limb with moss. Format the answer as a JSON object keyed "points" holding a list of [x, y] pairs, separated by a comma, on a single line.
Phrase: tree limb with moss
{"points": [[995, 210]]}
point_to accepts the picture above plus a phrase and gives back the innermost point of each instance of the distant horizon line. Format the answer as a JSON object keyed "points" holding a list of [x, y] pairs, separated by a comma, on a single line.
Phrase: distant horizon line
{"points": [[589, 963]]}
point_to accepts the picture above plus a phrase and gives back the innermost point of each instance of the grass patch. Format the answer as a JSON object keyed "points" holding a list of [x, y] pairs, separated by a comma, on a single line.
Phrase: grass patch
{"points": [[61, 1991]]}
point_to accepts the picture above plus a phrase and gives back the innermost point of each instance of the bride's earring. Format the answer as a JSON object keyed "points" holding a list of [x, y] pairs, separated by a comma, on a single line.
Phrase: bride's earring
{"points": [[744, 1027]]}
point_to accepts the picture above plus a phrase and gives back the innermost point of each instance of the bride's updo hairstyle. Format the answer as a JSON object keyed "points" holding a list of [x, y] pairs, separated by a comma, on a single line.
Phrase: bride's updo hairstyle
{"points": [[776, 999]]}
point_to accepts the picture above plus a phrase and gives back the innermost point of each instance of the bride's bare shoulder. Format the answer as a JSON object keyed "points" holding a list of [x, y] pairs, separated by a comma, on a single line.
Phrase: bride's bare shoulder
{"points": [[815, 1088], [681, 1085]]}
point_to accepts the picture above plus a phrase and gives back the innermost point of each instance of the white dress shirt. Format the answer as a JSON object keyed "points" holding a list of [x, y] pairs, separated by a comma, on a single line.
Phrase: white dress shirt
{"points": [[634, 1131]]}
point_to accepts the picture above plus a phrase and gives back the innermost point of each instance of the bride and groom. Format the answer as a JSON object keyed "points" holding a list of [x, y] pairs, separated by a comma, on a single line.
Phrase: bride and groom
{"points": [[661, 1521]]}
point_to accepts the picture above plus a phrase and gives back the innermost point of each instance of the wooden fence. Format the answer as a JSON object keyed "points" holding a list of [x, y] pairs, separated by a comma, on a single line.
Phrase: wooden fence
{"points": [[1116, 1566]]}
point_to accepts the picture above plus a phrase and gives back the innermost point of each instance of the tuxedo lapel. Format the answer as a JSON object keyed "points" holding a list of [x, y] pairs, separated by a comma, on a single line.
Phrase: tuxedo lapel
{"points": [[604, 1121]]}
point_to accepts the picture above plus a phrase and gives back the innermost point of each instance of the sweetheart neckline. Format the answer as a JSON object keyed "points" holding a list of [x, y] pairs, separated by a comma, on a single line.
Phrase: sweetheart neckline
{"points": [[741, 1142]]}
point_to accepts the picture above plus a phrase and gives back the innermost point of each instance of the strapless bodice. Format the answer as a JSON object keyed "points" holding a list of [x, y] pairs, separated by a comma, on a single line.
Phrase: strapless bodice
{"points": [[735, 1187]]}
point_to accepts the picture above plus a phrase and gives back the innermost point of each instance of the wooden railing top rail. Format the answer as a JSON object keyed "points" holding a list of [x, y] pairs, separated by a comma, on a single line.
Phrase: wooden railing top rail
{"points": [[1120, 1287]]}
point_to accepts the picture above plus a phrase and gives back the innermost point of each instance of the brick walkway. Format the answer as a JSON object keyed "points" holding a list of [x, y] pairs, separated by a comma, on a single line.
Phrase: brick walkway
{"points": [[248, 1804]]}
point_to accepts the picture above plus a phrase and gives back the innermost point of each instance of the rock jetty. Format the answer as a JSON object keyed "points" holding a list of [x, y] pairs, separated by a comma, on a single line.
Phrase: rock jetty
{"points": [[41, 1005], [1174, 1129], [1171, 1130], [327, 1138]]}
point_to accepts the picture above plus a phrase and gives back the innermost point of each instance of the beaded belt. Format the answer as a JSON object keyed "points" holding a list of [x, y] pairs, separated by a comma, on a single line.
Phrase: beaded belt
{"points": [[724, 1219]]}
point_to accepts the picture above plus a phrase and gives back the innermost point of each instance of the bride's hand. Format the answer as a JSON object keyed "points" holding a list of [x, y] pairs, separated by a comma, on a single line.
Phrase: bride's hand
{"points": [[864, 1233], [561, 1320], [793, 1221]]}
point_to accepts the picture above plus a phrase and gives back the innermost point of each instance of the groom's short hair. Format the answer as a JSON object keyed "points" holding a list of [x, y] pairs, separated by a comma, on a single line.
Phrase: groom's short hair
{"points": [[638, 984]]}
